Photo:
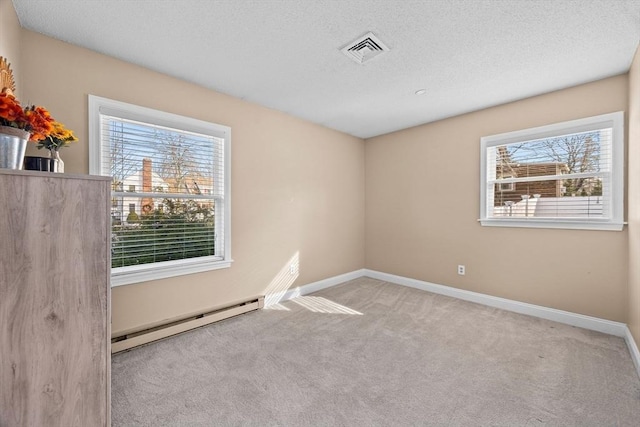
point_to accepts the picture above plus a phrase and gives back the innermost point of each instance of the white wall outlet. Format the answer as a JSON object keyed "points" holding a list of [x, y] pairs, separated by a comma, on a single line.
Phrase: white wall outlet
{"points": [[293, 268], [461, 270]]}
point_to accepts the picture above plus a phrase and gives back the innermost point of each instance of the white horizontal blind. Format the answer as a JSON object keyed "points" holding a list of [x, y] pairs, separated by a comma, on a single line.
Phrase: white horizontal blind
{"points": [[167, 191], [566, 176], [563, 175]]}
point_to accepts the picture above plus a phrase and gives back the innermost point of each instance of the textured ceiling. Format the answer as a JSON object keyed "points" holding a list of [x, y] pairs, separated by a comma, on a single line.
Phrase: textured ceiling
{"points": [[285, 54]]}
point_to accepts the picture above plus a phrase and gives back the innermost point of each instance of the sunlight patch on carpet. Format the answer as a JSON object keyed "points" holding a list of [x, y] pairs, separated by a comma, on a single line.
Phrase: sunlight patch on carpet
{"points": [[323, 305], [277, 306]]}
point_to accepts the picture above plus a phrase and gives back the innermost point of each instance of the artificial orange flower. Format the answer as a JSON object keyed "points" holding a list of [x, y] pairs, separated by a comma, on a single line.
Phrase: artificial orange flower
{"points": [[40, 122], [35, 120], [11, 113]]}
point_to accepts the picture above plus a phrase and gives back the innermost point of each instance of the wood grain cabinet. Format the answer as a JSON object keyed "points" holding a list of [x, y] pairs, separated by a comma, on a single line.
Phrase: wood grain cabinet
{"points": [[55, 322]]}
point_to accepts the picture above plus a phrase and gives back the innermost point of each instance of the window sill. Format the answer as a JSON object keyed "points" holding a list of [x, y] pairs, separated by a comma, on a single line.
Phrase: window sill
{"points": [[564, 224], [136, 274]]}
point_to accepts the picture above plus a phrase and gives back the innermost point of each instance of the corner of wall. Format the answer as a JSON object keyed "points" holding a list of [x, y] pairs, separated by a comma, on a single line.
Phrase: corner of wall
{"points": [[633, 192]]}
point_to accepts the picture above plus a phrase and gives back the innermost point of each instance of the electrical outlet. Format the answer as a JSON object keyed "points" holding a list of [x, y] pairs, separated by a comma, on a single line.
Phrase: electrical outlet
{"points": [[461, 270], [293, 268]]}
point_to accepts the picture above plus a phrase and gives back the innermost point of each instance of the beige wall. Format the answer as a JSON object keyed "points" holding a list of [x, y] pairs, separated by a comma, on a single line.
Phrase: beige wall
{"points": [[634, 197], [297, 188], [422, 206], [10, 40]]}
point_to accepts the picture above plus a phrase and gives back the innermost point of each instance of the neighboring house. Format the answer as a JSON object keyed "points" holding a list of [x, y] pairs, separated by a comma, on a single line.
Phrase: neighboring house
{"points": [[542, 198], [192, 184], [513, 192], [143, 180]]}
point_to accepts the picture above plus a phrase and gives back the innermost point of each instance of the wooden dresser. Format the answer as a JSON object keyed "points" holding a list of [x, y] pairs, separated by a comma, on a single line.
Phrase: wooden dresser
{"points": [[55, 320]]}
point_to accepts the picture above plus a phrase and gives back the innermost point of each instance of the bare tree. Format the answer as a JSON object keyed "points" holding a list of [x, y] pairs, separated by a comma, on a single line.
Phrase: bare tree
{"points": [[123, 161], [178, 163], [578, 153]]}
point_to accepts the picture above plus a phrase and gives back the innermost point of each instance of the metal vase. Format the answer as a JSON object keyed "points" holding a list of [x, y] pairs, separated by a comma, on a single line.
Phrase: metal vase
{"points": [[12, 149]]}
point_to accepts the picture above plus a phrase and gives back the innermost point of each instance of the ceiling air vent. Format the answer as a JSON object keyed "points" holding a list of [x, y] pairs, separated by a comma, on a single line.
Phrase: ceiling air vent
{"points": [[364, 48]]}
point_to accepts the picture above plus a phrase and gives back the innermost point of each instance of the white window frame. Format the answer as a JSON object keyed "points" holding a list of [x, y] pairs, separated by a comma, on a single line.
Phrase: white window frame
{"points": [[615, 220], [143, 273]]}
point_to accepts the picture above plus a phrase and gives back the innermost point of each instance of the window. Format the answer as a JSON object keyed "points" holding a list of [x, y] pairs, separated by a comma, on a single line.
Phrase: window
{"points": [[565, 175], [176, 172], [506, 186]]}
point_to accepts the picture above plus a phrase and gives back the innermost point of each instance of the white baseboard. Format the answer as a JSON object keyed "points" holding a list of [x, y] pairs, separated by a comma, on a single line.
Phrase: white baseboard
{"points": [[579, 320], [633, 349], [312, 287], [568, 318]]}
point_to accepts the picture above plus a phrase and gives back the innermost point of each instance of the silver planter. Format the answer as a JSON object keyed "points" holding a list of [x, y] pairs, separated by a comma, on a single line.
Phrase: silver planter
{"points": [[12, 147]]}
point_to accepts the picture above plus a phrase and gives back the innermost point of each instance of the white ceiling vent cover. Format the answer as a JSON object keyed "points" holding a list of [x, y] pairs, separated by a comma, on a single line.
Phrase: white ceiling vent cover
{"points": [[365, 48]]}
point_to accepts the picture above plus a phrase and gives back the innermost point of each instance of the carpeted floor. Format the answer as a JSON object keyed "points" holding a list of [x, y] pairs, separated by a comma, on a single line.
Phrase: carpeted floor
{"points": [[371, 353]]}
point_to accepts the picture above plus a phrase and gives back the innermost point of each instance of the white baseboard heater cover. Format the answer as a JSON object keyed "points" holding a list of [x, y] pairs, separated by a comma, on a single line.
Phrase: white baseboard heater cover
{"points": [[127, 341]]}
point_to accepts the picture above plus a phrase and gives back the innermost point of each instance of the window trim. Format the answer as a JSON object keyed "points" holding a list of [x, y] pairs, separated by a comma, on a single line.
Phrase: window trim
{"points": [[613, 120], [165, 269]]}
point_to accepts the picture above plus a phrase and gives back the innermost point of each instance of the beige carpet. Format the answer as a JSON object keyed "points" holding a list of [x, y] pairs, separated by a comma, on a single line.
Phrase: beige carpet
{"points": [[371, 353]]}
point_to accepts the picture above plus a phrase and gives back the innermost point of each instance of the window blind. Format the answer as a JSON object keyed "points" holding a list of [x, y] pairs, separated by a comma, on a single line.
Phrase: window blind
{"points": [[566, 176], [562, 175], [167, 191]]}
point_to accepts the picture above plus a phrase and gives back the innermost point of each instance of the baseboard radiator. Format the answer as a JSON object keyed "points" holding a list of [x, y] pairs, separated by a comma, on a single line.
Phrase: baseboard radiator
{"points": [[127, 341]]}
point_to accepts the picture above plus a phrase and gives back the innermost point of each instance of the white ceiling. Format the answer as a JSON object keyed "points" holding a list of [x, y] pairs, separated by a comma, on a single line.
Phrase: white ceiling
{"points": [[285, 54]]}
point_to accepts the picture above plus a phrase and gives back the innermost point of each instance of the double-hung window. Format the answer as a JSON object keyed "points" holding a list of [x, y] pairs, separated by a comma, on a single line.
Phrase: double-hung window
{"points": [[565, 175], [170, 209]]}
